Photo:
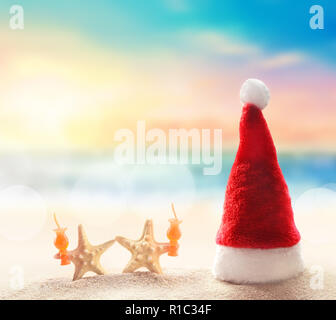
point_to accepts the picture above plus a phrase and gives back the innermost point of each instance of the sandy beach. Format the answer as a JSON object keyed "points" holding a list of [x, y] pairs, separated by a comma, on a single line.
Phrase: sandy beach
{"points": [[187, 276], [175, 284]]}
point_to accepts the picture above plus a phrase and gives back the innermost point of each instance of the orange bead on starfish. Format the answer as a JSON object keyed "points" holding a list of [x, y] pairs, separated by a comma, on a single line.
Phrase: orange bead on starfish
{"points": [[61, 243], [174, 234]]}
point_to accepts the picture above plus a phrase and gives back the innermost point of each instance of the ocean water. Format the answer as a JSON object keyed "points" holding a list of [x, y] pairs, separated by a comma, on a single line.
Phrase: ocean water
{"points": [[97, 174], [301, 171]]}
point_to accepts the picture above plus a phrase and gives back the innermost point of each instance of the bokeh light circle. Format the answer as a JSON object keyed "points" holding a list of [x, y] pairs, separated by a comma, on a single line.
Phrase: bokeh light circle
{"points": [[100, 194], [22, 213], [315, 215], [155, 187]]}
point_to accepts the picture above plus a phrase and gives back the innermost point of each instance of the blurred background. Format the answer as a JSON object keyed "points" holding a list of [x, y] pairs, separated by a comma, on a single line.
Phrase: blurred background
{"points": [[81, 70]]}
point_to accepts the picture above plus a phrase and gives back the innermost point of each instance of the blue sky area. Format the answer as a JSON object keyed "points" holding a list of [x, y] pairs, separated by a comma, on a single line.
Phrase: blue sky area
{"points": [[273, 24]]}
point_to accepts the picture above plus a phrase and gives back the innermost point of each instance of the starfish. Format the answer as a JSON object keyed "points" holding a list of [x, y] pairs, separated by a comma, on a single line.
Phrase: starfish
{"points": [[145, 252], [86, 257]]}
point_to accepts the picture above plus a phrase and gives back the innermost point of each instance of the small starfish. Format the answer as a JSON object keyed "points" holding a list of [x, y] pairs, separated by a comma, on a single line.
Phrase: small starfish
{"points": [[86, 256], [145, 252]]}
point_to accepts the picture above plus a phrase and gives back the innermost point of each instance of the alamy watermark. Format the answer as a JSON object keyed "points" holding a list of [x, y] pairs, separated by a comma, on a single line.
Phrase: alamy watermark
{"points": [[178, 146], [317, 20], [16, 277], [16, 20], [317, 279]]}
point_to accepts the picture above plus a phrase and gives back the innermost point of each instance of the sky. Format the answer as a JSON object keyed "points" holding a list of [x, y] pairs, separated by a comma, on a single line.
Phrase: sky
{"points": [[80, 70]]}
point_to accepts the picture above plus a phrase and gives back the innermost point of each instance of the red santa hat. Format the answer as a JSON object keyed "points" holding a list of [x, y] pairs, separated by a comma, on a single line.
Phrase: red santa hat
{"points": [[257, 240]]}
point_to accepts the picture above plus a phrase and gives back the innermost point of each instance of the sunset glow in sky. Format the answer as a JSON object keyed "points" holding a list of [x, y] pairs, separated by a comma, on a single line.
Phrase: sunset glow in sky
{"points": [[79, 72]]}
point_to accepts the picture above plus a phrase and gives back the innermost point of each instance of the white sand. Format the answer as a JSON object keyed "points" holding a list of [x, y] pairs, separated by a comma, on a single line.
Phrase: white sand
{"points": [[175, 284], [187, 276]]}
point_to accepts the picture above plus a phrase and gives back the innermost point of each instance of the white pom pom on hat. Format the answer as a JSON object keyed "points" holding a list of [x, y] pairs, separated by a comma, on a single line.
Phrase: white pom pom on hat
{"points": [[255, 92]]}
